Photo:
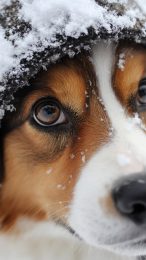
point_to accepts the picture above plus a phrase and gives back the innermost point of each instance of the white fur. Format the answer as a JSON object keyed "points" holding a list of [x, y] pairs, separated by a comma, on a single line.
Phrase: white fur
{"points": [[47, 241], [88, 217]]}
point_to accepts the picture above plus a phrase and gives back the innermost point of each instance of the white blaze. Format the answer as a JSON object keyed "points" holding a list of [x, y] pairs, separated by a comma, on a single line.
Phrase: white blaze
{"points": [[88, 217]]}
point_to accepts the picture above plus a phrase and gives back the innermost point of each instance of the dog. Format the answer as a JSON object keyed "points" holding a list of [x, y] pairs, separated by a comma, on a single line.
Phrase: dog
{"points": [[73, 160]]}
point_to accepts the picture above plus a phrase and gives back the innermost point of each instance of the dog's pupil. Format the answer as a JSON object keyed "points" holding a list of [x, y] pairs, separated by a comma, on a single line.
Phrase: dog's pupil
{"points": [[48, 113]]}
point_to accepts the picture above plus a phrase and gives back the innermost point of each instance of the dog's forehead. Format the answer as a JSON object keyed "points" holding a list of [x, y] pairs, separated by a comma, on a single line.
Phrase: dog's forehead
{"points": [[68, 81], [71, 81], [67, 85]]}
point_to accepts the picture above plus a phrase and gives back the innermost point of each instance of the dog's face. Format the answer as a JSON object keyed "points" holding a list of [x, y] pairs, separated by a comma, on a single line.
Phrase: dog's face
{"points": [[75, 132]]}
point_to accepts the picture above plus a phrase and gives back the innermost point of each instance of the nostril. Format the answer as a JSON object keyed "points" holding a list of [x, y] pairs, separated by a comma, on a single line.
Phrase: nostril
{"points": [[138, 213], [133, 208], [138, 208]]}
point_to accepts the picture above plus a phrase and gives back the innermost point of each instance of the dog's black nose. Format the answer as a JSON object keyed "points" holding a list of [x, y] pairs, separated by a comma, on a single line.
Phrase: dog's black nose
{"points": [[129, 196]]}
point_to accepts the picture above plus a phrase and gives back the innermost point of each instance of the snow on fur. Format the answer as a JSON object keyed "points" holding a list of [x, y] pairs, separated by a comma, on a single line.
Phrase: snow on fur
{"points": [[34, 33]]}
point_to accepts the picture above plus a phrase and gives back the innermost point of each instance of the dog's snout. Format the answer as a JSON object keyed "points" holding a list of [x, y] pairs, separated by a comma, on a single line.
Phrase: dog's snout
{"points": [[129, 196]]}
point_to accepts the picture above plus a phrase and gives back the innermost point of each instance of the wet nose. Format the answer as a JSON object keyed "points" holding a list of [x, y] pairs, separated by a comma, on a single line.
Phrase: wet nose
{"points": [[129, 196]]}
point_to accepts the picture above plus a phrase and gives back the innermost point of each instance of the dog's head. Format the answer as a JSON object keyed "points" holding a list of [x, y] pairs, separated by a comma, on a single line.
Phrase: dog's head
{"points": [[74, 150]]}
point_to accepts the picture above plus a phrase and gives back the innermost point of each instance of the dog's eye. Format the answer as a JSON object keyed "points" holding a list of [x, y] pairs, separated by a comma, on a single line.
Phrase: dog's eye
{"points": [[142, 92], [48, 112]]}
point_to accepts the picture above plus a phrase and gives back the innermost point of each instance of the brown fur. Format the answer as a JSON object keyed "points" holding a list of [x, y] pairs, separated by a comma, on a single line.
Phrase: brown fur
{"points": [[29, 154]]}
